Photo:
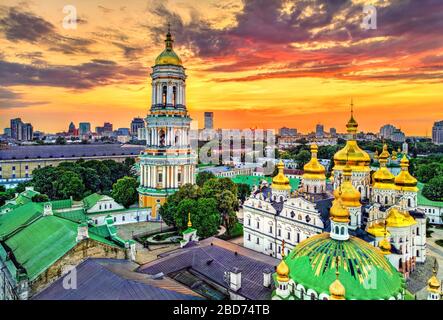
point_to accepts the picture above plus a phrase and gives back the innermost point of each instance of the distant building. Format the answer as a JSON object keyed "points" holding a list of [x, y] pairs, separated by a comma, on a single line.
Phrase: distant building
{"points": [[437, 132], [21, 131], [7, 132], [84, 128], [386, 131], [333, 132], [209, 120], [71, 129], [123, 132], [287, 132], [136, 123], [398, 136], [319, 131]]}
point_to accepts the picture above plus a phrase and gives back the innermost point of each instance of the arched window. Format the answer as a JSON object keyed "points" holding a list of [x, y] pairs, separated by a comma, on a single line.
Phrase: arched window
{"points": [[174, 96], [342, 232], [336, 229], [409, 202], [378, 199], [315, 189], [162, 136], [312, 296], [164, 95], [386, 199]]}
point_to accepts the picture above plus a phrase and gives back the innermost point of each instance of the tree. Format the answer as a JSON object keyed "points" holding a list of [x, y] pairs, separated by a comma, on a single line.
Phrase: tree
{"points": [[426, 172], [2, 189], [433, 190], [124, 191], [204, 176], [244, 190], [302, 158], [69, 184], [60, 140], [40, 198], [169, 208]]}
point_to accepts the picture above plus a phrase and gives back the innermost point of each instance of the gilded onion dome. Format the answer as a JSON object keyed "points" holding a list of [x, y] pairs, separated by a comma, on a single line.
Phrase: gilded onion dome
{"points": [[280, 181], [385, 244], [313, 169], [168, 56], [338, 212], [282, 268], [351, 153], [336, 289], [404, 180], [349, 194], [383, 178], [398, 219], [433, 282]]}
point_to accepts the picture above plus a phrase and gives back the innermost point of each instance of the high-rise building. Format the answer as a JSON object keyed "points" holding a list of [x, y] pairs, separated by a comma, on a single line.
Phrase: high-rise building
{"points": [[27, 132], [168, 129], [437, 133], [136, 123], [398, 136], [84, 128], [21, 131], [209, 120], [386, 131], [333, 132], [107, 127], [123, 131], [287, 132], [7, 132], [71, 129], [319, 131]]}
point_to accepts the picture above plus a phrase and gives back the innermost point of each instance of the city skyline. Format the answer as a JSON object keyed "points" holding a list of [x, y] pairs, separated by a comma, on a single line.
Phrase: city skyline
{"points": [[302, 64]]}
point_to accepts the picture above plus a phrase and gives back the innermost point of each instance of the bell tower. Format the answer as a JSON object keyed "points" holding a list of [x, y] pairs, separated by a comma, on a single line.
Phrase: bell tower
{"points": [[168, 160]]}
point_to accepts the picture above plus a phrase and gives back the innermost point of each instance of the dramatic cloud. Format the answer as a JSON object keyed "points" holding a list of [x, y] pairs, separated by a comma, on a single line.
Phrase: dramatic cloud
{"points": [[10, 99]]}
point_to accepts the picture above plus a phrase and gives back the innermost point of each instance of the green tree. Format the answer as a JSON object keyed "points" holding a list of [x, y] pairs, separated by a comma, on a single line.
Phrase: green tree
{"points": [[426, 172], [169, 208], [40, 198], [69, 184], [60, 140], [433, 190], [244, 190], [302, 158], [124, 191], [204, 176]]}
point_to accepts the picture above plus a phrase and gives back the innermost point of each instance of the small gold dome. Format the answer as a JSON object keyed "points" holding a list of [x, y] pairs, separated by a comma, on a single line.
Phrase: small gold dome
{"points": [[283, 271], [313, 169], [349, 194], [385, 246], [433, 282], [337, 290], [399, 219], [280, 181], [383, 178], [404, 180], [338, 212], [168, 56]]}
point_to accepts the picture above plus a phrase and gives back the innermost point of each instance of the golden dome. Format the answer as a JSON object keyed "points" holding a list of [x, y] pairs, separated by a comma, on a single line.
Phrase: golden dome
{"points": [[351, 153], [280, 181], [168, 56], [313, 169], [282, 268], [383, 178], [404, 180], [336, 289], [349, 195], [433, 282], [385, 245], [338, 212], [399, 219]]}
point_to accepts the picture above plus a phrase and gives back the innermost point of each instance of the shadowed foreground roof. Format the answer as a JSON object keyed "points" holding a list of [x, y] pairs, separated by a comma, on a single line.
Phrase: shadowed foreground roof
{"points": [[212, 261], [110, 279]]}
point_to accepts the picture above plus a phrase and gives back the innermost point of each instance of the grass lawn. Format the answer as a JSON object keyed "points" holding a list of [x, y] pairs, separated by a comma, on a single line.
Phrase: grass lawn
{"points": [[236, 231]]}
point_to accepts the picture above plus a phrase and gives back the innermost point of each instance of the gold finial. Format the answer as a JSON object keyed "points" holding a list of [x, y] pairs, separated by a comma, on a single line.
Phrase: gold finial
{"points": [[189, 220], [283, 248]]}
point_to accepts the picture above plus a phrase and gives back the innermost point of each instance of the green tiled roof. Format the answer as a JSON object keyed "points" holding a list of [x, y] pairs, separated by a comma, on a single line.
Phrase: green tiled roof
{"points": [[61, 204], [422, 200], [74, 215], [91, 200], [365, 272], [254, 180], [19, 217]]}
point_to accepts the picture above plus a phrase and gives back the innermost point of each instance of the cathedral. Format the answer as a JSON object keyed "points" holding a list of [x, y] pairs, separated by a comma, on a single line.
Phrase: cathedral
{"points": [[381, 207], [168, 160]]}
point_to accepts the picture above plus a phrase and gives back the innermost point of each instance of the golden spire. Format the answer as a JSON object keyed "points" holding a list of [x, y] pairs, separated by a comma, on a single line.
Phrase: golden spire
{"points": [[433, 282], [282, 268], [385, 244], [336, 289], [352, 125], [189, 220]]}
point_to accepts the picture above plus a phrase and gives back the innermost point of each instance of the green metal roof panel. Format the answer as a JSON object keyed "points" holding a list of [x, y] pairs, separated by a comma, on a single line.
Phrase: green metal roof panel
{"points": [[422, 200], [91, 200], [74, 215], [22, 215], [61, 204], [42, 243], [255, 180]]}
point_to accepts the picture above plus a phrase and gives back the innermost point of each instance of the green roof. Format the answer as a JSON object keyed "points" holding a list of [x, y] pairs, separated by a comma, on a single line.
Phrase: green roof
{"points": [[18, 218], [255, 180], [423, 201], [312, 264], [91, 200], [189, 230], [74, 215], [61, 204]]}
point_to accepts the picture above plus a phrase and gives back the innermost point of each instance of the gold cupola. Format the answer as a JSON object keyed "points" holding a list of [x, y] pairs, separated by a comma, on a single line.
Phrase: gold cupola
{"points": [[280, 181], [338, 211], [351, 153], [168, 56], [385, 244], [383, 178], [337, 290], [404, 180], [282, 268], [313, 169], [397, 218], [350, 196], [433, 282]]}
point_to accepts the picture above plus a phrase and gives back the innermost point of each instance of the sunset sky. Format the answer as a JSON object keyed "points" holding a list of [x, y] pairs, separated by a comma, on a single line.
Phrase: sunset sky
{"points": [[254, 63]]}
